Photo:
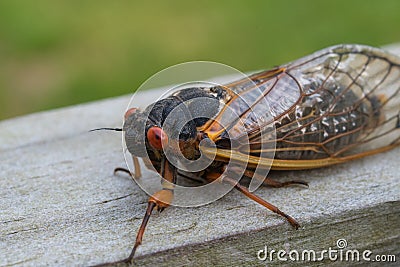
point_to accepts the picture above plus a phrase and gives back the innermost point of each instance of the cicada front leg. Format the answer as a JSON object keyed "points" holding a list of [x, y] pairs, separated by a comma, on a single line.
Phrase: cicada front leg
{"points": [[159, 201], [137, 171]]}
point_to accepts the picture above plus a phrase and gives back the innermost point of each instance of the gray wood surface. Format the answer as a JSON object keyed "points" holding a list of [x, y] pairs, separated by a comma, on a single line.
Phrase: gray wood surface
{"points": [[60, 203]]}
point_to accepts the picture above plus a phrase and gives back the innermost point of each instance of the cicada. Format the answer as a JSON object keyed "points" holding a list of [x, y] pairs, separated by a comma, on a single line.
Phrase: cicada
{"points": [[338, 104]]}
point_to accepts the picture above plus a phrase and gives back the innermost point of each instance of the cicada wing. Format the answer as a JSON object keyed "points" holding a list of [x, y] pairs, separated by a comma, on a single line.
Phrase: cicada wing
{"points": [[350, 102], [335, 105]]}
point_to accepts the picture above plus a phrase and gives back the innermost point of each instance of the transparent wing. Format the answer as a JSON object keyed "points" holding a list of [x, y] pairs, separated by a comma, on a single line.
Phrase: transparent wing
{"points": [[350, 104], [336, 104]]}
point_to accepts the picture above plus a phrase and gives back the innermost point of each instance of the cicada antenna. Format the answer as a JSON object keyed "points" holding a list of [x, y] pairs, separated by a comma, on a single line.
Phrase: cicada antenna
{"points": [[107, 129]]}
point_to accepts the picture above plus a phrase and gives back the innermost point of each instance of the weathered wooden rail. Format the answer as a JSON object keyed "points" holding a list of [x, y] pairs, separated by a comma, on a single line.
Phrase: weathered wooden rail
{"points": [[60, 203]]}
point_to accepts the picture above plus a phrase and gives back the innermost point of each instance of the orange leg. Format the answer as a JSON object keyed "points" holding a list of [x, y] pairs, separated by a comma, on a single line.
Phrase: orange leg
{"points": [[274, 183], [277, 184], [266, 180], [140, 233], [261, 201], [159, 200], [137, 170]]}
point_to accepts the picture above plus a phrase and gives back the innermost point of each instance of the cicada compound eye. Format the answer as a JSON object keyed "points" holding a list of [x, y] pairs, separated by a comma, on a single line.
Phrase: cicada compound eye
{"points": [[157, 137], [129, 112]]}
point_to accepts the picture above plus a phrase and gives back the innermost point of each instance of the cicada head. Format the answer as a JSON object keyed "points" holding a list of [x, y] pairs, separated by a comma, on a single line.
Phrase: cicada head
{"points": [[134, 128], [152, 130]]}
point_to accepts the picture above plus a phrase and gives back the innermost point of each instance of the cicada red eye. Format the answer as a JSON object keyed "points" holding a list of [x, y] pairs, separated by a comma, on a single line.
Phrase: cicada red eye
{"points": [[157, 137], [129, 112]]}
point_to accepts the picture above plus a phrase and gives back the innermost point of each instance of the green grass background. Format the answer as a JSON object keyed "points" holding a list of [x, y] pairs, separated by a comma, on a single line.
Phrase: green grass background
{"points": [[58, 53]]}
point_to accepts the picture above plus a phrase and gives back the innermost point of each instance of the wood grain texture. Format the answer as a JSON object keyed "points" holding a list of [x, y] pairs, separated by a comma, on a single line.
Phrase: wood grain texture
{"points": [[60, 203]]}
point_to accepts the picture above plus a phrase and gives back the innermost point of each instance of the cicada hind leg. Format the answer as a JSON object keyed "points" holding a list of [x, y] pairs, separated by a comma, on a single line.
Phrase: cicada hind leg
{"points": [[270, 182], [224, 179], [261, 201]]}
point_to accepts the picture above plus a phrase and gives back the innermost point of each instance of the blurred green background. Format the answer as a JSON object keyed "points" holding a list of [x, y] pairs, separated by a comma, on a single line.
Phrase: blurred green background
{"points": [[58, 53]]}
